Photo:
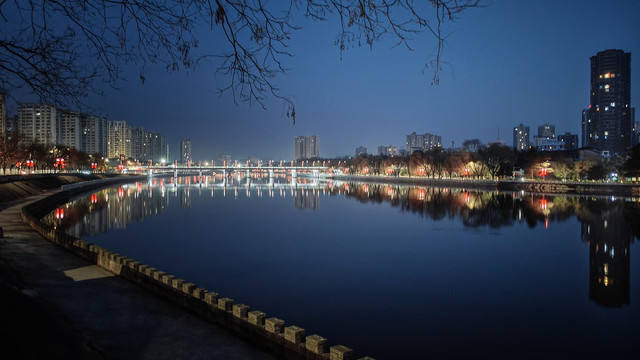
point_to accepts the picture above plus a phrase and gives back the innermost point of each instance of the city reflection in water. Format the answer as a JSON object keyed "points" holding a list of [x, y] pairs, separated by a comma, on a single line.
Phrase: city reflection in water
{"points": [[607, 225]]}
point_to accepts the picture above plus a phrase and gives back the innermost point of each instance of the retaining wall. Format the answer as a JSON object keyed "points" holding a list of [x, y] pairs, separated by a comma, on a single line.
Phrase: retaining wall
{"points": [[269, 333]]}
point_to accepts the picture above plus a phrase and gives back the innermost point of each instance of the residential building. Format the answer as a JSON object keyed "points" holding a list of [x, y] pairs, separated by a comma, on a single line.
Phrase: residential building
{"points": [[570, 141], [388, 150], [635, 131], [95, 134], [306, 147], [11, 126], [185, 151], [610, 109], [153, 148], [119, 140], [137, 142], [361, 150], [422, 142], [546, 144], [584, 127], [68, 131], [521, 140], [298, 148], [547, 131], [37, 124], [312, 147]]}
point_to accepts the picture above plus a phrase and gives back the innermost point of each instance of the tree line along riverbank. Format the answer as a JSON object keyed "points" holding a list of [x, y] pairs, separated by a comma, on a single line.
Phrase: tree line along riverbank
{"points": [[552, 187]]}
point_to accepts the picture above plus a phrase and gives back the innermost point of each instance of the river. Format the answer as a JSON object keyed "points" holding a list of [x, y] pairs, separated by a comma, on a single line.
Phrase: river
{"points": [[394, 272]]}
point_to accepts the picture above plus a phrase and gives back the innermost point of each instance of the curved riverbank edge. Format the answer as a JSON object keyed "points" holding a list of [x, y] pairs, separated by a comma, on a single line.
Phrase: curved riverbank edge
{"points": [[271, 334], [542, 187]]}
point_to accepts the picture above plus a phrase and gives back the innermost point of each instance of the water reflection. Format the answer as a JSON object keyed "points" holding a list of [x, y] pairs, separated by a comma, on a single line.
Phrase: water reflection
{"points": [[607, 224], [608, 237]]}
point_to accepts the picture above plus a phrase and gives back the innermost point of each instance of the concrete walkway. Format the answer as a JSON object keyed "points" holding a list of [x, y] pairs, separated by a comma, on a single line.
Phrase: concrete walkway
{"points": [[56, 305]]}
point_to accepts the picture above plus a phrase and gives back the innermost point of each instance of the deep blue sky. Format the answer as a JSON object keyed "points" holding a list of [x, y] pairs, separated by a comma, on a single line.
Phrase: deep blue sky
{"points": [[511, 62]]}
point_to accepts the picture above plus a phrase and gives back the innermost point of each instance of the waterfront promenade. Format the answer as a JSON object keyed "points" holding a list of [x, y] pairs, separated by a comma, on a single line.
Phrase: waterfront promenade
{"points": [[56, 305]]}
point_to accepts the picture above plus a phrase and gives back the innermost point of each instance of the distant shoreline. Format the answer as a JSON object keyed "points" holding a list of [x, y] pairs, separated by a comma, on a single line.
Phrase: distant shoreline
{"points": [[545, 187]]}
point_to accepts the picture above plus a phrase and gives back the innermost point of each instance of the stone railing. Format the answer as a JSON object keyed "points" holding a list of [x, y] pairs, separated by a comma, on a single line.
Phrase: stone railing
{"points": [[269, 333]]}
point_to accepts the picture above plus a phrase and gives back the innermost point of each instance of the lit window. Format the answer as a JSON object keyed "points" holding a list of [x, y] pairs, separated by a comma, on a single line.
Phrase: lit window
{"points": [[607, 75], [613, 104], [600, 76], [606, 88], [606, 108]]}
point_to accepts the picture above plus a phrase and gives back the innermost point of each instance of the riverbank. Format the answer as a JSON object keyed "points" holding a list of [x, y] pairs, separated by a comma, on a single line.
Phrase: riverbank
{"points": [[106, 270], [57, 305], [542, 187]]}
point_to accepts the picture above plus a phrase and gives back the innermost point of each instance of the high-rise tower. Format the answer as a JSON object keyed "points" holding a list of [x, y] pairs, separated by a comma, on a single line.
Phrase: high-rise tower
{"points": [[521, 140], [306, 147], [609, 122], [185, 151]]}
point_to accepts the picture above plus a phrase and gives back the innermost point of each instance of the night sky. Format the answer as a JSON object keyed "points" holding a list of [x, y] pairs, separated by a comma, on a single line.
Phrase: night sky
{"points": [[511, 62]]}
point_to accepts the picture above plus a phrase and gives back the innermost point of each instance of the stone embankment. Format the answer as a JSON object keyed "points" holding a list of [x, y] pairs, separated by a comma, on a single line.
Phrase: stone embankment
{"points": [[543, 187], [270, 333], [13, 187]]}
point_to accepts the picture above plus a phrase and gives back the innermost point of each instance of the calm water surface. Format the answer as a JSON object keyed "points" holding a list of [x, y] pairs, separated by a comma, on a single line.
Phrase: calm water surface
{"points": [[394, 272]]}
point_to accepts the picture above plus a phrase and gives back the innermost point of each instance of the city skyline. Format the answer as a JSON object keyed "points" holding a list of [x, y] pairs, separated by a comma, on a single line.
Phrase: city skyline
{"points": [[500, 74]]}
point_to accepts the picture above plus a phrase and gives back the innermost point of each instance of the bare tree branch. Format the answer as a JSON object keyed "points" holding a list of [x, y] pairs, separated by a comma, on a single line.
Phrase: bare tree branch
{"points": [[60, 48]]}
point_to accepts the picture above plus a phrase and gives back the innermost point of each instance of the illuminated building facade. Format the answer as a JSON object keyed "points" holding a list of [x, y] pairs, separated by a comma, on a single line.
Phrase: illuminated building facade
{"points": [[388, 150], [547, 131], [37, 124], [570, 141], [609, 121], [521, 140], [422, 142], [185, 151], [68, 129], [95, 134], [119, 143], [154, 148], [361, 150]]}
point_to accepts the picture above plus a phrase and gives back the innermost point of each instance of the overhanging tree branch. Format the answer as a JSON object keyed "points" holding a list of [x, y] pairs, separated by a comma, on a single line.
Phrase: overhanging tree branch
{"points": [[59, 48]]}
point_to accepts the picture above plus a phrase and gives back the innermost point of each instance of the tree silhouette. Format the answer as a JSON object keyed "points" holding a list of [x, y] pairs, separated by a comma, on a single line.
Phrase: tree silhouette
{"points": [[497, 157], [58, 49]]}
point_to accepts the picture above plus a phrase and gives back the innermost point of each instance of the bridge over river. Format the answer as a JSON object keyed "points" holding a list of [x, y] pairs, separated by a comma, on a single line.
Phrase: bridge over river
{"points": [[201, 173]]}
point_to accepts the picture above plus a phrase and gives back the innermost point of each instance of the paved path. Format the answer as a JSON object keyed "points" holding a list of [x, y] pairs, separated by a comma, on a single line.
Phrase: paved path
{"points": [[56, 305]]}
